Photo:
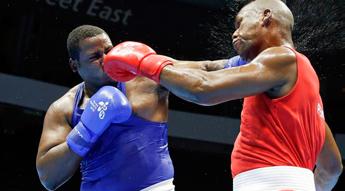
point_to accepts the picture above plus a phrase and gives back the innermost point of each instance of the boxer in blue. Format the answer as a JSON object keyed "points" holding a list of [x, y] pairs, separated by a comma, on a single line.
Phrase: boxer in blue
{"points": [[116, 132]]}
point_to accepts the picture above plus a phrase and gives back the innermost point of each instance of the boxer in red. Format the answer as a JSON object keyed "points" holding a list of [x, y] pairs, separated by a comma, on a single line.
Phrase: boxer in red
{"points": [[283, 132]]}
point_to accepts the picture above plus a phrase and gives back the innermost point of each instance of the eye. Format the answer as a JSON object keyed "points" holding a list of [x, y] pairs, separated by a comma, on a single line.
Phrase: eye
{"points": [[96, 55], [238, 23], [108, 49]]}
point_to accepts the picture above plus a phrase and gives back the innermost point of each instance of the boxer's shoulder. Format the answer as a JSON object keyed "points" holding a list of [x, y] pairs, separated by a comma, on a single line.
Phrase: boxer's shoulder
{"points": [[277, 55], [63, 107], [148, 99], [142, 86]]}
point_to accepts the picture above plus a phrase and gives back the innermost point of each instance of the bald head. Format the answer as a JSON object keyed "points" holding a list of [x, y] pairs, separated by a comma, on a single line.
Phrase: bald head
{"points": [[281, 14], [262, 24]]}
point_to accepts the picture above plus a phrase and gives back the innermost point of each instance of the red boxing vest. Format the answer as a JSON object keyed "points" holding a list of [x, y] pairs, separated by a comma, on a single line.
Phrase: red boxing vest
{"points": [[287, 131]]}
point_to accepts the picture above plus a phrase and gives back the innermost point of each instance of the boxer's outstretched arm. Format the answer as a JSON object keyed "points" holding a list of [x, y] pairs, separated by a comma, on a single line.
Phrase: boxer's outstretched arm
{"points": [[55, 162], [134, 58], [271, 68], [329, 164]]}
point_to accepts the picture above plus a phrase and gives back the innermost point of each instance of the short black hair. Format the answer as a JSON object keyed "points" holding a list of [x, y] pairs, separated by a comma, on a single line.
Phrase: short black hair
{"points": [[80, 33]]}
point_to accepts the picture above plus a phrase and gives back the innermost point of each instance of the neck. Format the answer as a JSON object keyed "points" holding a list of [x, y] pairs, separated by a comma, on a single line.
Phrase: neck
{"points": [[273, 41], [90, 89]]}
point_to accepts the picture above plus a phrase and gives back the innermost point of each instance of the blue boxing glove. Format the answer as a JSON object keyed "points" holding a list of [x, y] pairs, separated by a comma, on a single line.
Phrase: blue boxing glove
{"points": [[107, 105], [234, 62]]}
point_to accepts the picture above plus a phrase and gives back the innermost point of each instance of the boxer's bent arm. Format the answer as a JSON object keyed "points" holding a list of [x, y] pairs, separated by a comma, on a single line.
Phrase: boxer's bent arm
{"points": [[272, 68], [329, 164], [55, 162], [206, 65]]}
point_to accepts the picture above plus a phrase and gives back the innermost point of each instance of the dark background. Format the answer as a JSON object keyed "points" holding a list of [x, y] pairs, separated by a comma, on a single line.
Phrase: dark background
{"points": [[33, 36]]}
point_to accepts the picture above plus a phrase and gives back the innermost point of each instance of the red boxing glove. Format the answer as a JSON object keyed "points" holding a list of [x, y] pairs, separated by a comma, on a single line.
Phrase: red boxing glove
{"points": [[134, 58], [118, 74]]}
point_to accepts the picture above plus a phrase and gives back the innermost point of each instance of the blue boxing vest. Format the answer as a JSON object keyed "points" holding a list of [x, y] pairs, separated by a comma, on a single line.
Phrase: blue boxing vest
{"points": [[234, 62], [128, 156]]}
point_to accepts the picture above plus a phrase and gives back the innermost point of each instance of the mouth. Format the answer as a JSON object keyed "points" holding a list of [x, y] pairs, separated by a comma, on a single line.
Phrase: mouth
{"points": [[236, 43]]}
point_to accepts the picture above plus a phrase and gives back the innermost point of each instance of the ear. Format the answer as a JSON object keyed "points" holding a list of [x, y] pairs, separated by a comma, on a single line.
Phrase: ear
{"points": [[267, 16], [73, 64]]}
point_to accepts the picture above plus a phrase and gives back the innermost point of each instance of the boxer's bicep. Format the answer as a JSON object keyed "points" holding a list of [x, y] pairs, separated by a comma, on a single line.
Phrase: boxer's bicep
{"points": [[209, 88], [236, 83], [55, 130], [267, 71], [55, 162]]}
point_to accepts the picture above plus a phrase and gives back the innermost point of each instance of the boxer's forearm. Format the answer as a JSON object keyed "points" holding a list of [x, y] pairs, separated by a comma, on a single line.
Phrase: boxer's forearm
{"points": [[329, 163], [324, 181], [206, 65], [210, 88], [56, 166], [185, 83]]}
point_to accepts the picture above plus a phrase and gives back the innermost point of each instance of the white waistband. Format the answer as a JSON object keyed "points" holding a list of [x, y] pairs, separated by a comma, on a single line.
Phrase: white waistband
{"points": [[274, 179], [166, 185]]}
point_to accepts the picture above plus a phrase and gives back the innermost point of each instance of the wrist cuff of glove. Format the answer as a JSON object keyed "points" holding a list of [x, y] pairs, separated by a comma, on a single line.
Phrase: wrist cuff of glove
{"points": [[80, 140], [152, 66]]}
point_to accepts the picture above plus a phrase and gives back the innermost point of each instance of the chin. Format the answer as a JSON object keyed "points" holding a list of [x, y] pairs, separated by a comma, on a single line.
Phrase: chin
{"points": [[241, 53], [244, 56], [244, 53], [106, 79], [109, 82]]}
